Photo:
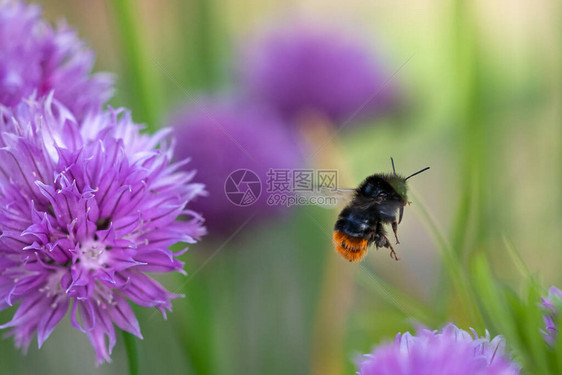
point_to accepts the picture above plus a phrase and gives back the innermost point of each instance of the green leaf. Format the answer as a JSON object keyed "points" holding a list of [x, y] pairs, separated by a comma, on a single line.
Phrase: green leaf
{"points": [[492, 300]]}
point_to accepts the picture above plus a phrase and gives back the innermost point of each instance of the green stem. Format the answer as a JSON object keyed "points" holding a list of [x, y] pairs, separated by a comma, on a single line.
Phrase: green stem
{"points": [[472, 225], [205, 44], [139, 70], [196, 333], [453, 266], [469, 116], [132, 353], [408, 305], [557, 8], [202, 35]]}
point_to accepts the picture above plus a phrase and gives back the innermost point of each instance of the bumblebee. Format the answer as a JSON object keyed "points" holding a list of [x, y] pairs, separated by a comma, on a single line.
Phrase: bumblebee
{"points": [[380, 199]]}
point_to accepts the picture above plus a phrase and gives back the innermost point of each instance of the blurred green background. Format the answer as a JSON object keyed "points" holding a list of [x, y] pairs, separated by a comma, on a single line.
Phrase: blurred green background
{"points": [[482, 84]]}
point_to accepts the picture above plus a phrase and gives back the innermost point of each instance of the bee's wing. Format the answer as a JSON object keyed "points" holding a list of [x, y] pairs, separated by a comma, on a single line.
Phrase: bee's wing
{"points": [[329, 197], [340, 193]]}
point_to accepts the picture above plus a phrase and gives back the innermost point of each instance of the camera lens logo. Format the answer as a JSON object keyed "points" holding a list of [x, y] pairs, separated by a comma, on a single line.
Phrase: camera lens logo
{"points": [[242, 187]]}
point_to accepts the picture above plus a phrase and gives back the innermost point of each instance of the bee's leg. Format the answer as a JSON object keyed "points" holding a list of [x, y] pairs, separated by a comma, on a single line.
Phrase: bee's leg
{"points": [[395, 230], [392, 252], [373, 237], [379, 236], [380, 241]]}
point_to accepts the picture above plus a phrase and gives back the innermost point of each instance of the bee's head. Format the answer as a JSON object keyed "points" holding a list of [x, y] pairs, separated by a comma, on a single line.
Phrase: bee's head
{"points": [[398, 183], [388, 188]]}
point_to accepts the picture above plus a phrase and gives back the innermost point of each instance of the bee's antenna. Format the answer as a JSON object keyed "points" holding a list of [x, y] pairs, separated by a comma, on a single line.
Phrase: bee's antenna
{"points": [[392, 161], [418, 172]]}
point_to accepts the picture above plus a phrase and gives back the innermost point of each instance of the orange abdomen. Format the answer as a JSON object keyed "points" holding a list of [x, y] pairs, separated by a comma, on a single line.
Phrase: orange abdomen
{"points": [[351, 248]]}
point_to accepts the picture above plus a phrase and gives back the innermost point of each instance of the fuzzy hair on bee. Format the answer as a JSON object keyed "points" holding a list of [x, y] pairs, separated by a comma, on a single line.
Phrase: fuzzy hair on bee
{"points": [[379, 200]]}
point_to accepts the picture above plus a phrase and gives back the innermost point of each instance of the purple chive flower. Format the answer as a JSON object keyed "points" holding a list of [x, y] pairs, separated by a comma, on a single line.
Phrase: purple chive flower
{"points": [[35, 58], [298, 70], [223, 136], [551, 306], [85, 213], [449, 351]]}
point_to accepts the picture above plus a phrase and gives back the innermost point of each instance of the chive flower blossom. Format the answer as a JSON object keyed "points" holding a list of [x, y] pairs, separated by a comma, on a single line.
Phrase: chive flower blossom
{"points": [[37, 58], [223, 136], [449, 351], [300, 70], [551, 306], [85, 213]]}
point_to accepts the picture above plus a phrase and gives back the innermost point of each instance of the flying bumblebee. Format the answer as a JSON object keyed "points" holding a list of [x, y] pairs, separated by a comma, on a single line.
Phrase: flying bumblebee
{"points": [[380, 199]]}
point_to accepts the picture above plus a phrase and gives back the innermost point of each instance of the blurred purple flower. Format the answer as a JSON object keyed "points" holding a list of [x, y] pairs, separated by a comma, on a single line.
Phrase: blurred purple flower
{"points": [[551, 305], [35, 58], [301, 69], [223, 136], [451, 351], [85, 213]]}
